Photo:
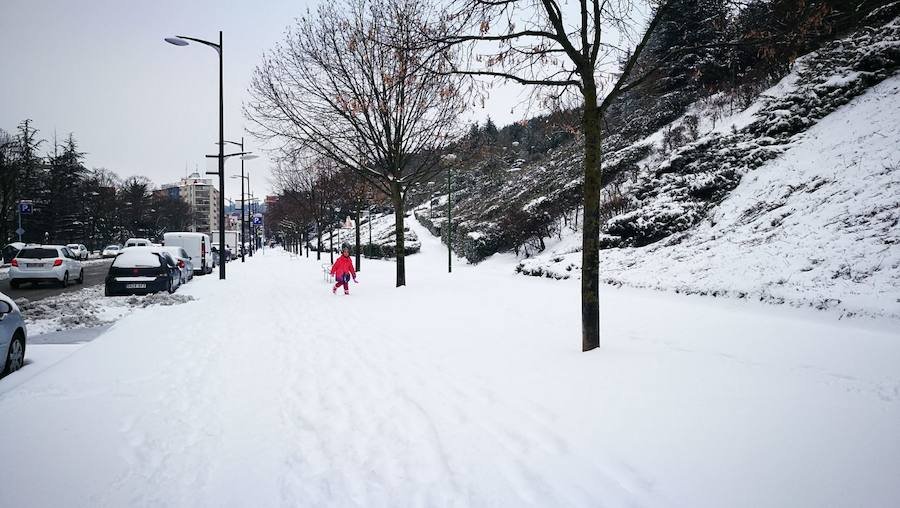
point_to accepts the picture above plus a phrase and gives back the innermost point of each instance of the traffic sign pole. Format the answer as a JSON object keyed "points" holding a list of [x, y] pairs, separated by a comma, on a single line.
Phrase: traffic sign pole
{"points": [[25, 208]]}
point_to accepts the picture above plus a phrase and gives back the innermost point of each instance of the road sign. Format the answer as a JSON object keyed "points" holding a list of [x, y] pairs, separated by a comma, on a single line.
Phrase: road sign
{"points": [[257, 220], [25, 207], [20, 232]]}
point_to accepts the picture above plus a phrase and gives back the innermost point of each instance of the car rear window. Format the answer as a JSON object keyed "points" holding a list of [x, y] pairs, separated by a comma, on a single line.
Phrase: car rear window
{"points": [[38, 253], [136, 258]]}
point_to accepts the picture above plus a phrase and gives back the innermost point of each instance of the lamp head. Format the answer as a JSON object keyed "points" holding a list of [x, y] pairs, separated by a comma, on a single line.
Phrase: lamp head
{"points": [[176, 41]]}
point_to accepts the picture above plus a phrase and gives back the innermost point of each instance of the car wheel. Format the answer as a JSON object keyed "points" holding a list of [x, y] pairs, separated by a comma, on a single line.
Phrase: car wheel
{"points": [[65, 280], [15, 357], [80, 279], [106, 291], [170, 287]]}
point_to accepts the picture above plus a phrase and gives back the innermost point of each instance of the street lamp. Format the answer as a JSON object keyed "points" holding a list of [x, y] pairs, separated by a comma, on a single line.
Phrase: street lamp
{"points": [[253, 201], [243, 202], [181, 40], [221, 174], [449, 158]]}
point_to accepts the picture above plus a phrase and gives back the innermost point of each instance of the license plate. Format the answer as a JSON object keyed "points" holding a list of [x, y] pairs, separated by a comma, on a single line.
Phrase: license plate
{"points": [[34, 265], [135, 286]]}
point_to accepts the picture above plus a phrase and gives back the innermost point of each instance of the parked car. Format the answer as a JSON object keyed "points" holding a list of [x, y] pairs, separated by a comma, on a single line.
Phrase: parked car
{"points": [[45, 263], [10, 251], [142, 270], [197, 246], [183, 260], [13, 336], [111, 251], [137, 242], [81, 252]]}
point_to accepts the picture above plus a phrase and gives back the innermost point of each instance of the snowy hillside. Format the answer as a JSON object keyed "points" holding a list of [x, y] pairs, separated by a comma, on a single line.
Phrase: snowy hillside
{"points": [[511, 199], [381, 240], [817, 226]]}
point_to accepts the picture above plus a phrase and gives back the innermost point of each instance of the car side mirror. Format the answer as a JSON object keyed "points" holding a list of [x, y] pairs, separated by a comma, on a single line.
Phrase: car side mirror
{"points": [[5, 308]]}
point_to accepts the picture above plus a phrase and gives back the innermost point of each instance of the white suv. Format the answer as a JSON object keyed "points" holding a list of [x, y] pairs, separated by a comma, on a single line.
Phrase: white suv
{"points": [[45, 263]]}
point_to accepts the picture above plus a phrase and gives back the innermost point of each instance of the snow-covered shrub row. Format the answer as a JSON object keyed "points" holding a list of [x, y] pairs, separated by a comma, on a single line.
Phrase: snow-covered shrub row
{"points": [[676, 193]]}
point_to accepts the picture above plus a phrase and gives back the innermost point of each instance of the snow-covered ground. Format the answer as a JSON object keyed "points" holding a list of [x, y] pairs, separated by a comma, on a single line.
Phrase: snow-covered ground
{"points": [[459, 390], [816, 227]]}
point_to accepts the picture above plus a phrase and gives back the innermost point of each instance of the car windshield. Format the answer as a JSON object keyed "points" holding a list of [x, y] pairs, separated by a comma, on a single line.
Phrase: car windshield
{"points": [[72, 246], [38, 253], [112, 247], [136, 258]]}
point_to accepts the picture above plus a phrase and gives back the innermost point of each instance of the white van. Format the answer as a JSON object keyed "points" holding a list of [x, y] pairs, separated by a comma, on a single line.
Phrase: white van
{"points": [[138, 242], [197, 246]]}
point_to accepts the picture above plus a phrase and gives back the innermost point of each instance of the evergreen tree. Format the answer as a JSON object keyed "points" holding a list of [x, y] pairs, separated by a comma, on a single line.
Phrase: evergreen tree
{"points": [[30, 171], [65, 212]]}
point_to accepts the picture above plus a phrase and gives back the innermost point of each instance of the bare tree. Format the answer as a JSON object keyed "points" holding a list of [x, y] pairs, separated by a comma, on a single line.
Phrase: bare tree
{"points": [[567, 50], [349, 83]]}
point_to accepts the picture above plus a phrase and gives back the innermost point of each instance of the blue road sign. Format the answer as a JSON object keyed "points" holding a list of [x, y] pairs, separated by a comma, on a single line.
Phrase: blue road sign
{"points": [[257, 221], [25, 207]]}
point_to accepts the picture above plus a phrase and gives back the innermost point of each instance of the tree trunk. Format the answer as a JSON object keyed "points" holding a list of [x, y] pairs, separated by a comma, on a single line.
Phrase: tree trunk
{"points": [[590, 255], [318, 241], [306, 241], [331, 243], [397, 200], [357, 239]]}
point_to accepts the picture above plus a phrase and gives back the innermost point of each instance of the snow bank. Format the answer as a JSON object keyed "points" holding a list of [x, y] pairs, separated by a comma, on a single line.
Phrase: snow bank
{"points": [[86, 308]]}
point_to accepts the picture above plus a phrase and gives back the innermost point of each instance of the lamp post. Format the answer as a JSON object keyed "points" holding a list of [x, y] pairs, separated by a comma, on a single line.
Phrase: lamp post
{"points": [[247, 157], [449, 158], [250, 228], [183, 41], [221, 174]]}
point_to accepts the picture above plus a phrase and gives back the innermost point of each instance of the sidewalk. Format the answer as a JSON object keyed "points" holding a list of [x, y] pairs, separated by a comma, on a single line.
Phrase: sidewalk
{"points": [[459, 390]]}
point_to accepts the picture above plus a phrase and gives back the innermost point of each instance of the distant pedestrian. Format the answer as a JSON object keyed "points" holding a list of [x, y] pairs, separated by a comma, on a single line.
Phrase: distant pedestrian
{"points": [[343, 270]]}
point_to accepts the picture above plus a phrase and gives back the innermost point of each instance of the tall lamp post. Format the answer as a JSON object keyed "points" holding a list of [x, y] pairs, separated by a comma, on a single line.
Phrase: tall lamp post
{"points": [[252, 200], [244, 211], [247, 157], [449, 158], [183, 41]]}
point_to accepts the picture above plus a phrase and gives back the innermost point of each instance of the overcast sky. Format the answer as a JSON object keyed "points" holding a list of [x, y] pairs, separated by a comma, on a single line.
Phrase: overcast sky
{"points": [[137, 105]]}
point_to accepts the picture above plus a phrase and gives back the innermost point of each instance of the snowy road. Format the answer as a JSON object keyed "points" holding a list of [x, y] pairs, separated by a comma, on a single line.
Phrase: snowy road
{"points": [[462, 390]]}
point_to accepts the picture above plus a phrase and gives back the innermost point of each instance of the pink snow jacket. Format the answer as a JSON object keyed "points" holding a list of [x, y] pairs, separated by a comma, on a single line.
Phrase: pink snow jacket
{"points": [[343, 265]]}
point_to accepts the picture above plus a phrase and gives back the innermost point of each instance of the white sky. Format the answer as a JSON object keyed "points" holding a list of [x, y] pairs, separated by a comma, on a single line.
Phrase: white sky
{"points": [[136, 104]]}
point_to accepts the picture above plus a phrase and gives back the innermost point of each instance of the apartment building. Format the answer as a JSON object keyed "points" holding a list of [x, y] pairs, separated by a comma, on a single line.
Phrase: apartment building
{"points": [[203, 199]]}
